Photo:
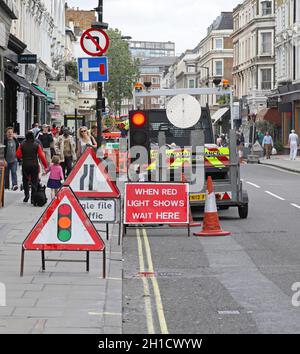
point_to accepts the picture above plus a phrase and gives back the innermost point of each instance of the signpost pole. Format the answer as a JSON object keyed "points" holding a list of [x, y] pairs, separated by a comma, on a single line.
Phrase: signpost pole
{"points": [[99, 87], [76, 128], [43, 261]]}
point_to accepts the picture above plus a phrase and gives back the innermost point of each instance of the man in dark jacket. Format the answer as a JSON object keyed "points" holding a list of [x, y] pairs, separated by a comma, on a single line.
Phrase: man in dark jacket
{"points": [[29, 151], [46, 139], [11, 147]]}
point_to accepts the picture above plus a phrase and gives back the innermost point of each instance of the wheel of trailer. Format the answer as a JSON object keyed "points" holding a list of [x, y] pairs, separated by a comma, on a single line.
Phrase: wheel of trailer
{"points": [[243, 211]]}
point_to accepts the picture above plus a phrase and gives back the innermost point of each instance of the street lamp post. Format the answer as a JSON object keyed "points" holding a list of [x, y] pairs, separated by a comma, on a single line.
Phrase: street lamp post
{"points": [[99, 10]]}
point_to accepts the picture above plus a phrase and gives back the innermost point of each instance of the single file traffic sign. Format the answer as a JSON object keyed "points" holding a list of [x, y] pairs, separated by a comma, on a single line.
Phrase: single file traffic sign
{"points": [[89, 178]]}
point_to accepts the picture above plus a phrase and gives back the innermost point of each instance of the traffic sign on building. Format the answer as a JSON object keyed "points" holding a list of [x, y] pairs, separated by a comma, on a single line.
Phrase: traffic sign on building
{"points": [[94, 42], [89, 178], [93, 69]]}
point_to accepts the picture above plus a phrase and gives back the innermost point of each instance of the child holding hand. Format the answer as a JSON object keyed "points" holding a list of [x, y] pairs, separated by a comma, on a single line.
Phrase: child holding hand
{"points": [[56, 176]]}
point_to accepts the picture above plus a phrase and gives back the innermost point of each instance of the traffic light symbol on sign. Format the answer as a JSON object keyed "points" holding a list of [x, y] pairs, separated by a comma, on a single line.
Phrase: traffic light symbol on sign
{"points": [[64, 223]]}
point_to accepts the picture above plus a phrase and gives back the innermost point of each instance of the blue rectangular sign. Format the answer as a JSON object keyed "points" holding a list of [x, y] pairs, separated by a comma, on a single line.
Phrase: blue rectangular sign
{"points": [[93, 69]]}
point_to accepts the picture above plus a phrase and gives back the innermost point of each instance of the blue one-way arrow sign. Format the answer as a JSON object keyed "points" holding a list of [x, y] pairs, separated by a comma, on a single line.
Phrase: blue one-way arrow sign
{"points": [[93, 69]]}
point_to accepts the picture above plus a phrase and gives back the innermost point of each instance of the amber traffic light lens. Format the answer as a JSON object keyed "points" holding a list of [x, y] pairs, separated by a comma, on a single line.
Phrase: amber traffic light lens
{"points": [[64, 223], [139, 119]]}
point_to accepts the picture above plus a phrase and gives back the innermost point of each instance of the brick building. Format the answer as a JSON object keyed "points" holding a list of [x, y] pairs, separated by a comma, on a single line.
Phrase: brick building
{"points": [[80, 19]]}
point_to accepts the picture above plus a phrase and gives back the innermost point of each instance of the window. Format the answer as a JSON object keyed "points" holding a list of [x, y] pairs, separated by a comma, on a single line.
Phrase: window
{"points": [[191, 69], [219, 43], [191, 83], [266, 43], [266, 79], [219, 67], [266, 8], [155, 80]]}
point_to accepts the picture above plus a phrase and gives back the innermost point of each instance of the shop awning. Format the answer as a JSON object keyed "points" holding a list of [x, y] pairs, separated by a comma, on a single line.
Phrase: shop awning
{"points": [[219, 114], [37, 93], [24, 85], [46, 93], [270, 114]]}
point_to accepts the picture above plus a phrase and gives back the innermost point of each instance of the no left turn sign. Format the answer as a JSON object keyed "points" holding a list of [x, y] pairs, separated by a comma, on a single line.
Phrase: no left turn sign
{"points": [[94, 42]]}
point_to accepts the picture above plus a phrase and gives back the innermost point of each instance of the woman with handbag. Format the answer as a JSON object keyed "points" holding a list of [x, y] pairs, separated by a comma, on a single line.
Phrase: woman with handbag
{"points": [[65, 148], [85, 139]]}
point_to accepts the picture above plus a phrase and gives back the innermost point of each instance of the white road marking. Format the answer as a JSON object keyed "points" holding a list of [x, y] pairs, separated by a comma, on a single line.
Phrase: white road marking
{"points": [[229, 312], [274, 195], [295, 205], [104, 314], [254, 185]]}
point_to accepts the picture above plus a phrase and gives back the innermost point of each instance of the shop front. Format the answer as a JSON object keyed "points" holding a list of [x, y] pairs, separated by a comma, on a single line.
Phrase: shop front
{"points": [[289, 108]]}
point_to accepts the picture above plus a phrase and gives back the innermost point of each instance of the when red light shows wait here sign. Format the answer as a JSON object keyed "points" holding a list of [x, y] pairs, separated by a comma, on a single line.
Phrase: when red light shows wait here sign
{"points": [[156, 203]]}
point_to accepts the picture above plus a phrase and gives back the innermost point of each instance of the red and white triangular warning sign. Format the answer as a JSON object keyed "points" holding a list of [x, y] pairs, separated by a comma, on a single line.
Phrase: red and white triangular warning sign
{"points": [[64, 226], [90, 179]]}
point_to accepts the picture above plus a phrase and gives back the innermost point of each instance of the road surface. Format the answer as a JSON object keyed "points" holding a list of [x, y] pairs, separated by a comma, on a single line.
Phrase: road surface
{"points": [[236, 284]]}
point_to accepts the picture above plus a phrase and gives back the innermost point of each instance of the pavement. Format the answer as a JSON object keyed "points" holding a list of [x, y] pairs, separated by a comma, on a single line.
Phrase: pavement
{"points": [[283, 162], [64, 298]]}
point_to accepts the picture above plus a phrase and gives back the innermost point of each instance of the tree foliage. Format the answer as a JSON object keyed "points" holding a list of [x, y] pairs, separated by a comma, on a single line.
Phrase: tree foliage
{"points": [[123, 71], [265, 126], [71, 69]]}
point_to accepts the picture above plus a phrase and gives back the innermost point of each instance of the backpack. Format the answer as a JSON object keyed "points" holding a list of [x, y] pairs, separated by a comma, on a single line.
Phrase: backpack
{"points": [[39, 197]]}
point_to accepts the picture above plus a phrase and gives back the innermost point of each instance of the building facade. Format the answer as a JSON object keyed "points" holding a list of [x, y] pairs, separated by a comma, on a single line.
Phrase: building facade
{"points": [[152, 71], [38, 30], [148, 49], [211, 59], [287, 47], [215, 54], [254, 53], [8, 12], [80, 20]]}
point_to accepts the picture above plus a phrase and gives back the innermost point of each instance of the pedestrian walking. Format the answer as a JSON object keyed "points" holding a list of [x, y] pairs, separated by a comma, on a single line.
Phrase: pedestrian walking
{"points": [[293, 143], [85, 140], [35, 129], [267, 144], [56, 176], [65, 148], [54, 129], [46, 139], [30, 151], [241, 144], [94, 132], [123, 130], [11, 162], [260, 137]]}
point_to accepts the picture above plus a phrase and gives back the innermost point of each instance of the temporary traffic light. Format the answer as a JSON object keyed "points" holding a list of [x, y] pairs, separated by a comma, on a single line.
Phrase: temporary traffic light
{"points": [[138, 87], [64, 223], [138, 119], [226, 84], [139, 129]]}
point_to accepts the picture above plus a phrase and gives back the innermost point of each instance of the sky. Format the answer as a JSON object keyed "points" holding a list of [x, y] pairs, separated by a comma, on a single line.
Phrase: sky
{"points": [[184, 22]]}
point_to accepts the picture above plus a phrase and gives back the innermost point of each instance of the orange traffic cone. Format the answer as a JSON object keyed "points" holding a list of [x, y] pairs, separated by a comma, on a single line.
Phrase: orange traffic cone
{"points": [[211, 226]]}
